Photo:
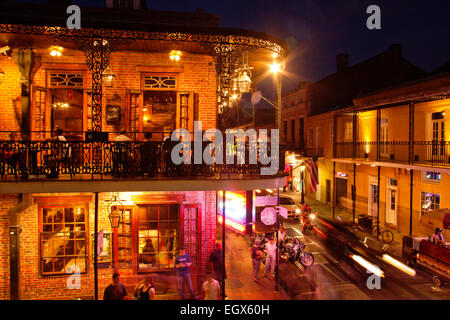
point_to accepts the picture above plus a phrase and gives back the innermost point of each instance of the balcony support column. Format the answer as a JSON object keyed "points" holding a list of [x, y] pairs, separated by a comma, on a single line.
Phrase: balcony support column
{"points": [[223, 241], [334, 135], [24, 58], [355, 123], [96, 248], [248, 211], [411, 172], [334, 188], [354, 192], [14, 244], [378, 132], [411, 132], [378, 202]]}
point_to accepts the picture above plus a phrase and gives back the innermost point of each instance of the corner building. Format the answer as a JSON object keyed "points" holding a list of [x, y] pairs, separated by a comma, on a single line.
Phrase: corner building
{"points": [[146, 73]]}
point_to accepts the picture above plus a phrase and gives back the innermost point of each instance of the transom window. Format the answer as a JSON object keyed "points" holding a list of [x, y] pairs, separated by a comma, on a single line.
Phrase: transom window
{"points": [[61, 79], [157, 237], [63, 240], [160, 82]]}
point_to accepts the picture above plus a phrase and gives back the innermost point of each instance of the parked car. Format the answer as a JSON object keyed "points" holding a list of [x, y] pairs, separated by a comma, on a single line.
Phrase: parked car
{"points": [[289, 204]]}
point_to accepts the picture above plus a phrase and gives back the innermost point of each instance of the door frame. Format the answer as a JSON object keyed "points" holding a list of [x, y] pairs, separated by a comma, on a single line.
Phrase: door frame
{"points": [[373, 181], [197, 265], [388, 203]]}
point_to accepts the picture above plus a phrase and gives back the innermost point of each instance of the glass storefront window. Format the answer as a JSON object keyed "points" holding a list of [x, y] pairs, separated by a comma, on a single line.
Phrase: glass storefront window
{"points": [[157, 237], [63, 240]]}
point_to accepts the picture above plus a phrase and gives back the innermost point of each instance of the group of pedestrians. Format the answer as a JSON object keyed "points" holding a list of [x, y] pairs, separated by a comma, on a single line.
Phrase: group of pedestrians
{"points": [[145, 290], [271, 255]]}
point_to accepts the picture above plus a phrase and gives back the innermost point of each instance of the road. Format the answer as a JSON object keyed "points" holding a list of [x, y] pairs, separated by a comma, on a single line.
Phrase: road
{"points": [[333, 276]]}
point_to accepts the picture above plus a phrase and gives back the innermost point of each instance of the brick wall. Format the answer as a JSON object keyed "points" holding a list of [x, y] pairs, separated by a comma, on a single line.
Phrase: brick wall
{"points": [[10, 100], [35, 286], [198, 76]]}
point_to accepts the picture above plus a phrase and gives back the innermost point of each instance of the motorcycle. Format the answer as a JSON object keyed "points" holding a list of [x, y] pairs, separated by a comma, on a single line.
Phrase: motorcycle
{"points": [[308, 221], [293, 249]]}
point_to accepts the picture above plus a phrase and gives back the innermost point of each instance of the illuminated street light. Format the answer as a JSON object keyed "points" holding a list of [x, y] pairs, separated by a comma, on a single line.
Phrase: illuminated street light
{"points": [[275, 68]]}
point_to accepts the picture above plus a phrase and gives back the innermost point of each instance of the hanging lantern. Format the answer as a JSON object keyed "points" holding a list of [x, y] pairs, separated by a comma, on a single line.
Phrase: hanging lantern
{"points": [[115, 209], [244, 74], [108, 77], [244, 82], [115, 217]]}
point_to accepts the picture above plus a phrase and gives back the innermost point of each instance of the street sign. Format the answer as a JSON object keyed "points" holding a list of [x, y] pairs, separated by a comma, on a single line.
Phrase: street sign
{"points": [[283, 212], [265, 201], [269, 216]]}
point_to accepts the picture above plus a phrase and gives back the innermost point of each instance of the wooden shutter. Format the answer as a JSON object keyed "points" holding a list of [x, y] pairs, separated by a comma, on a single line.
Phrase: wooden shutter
{"points": [[38, 113], [133, 112], [185, 111]]}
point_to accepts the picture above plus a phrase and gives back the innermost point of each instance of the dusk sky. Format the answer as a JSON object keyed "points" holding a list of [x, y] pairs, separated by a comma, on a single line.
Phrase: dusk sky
{"points": [[317, 30]]}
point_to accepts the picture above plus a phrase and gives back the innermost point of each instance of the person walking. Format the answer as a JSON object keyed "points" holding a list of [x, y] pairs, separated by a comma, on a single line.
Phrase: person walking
{"points": [[116, 290], [269, 268], [256, 255], [145, 290], [217, 264], [182, 264], [211, 288]]}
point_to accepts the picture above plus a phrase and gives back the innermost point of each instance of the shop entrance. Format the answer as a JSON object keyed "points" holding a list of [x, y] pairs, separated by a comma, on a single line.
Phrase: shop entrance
{"points": [[192, 237], [341, 192]]}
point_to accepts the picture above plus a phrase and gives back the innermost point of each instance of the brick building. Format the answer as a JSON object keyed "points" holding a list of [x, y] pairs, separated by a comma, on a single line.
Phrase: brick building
{"points": [[126, 69]]}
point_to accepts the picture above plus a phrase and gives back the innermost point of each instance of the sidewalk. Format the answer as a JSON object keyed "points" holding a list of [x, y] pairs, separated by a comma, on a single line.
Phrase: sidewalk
{"points": [[239, 284], [326, 211]]}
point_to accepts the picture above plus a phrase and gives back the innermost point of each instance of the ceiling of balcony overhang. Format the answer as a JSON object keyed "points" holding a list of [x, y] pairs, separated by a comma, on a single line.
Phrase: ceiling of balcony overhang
{"points": [[258, 58]]}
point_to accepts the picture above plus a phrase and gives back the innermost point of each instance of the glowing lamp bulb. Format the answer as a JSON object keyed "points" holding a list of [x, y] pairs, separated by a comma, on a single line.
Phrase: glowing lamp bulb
{"points": [[275, 68]]}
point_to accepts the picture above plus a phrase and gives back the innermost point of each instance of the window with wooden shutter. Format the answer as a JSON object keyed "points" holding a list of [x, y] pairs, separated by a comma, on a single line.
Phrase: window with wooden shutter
{"points": [[185, 111]]}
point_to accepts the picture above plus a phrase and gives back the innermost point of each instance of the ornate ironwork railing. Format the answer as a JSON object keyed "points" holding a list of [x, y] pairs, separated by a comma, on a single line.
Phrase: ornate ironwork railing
{"points": [[132, 159], [429, 153]]}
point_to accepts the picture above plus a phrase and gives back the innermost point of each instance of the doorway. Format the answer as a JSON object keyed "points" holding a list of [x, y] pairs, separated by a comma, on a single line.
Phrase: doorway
{"points": [[341, 192], [67, 112], [373, 200], [192, 239], [391, 201]]}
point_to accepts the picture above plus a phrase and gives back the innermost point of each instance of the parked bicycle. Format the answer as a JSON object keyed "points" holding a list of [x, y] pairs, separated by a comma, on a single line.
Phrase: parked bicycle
{"points": [[384, 234]]}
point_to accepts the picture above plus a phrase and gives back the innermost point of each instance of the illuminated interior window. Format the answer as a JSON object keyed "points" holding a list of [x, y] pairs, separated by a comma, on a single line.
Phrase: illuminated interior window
{"points": [[434, 176], [63, 240], [429, 202]]}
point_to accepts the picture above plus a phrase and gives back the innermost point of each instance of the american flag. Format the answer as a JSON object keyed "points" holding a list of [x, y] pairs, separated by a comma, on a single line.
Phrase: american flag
{"points": [[313, 175]]}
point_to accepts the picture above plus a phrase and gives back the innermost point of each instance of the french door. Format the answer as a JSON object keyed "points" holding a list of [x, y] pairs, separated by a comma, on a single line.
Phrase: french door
{"points": [[192, 236]]}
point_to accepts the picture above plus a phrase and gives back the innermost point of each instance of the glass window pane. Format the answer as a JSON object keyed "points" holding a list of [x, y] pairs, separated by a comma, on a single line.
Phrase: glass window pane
{"points": [[163, 213], [59, 217], [173, 213], [68, 215], [47, 216], [79, 215]]}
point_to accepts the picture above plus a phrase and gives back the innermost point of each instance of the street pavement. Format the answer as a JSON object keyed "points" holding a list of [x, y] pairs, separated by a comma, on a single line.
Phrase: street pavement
{"points": [[334, 277], [239, 284]]}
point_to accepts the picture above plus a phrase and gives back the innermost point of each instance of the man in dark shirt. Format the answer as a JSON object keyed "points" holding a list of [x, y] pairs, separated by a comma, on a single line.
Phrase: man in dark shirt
{"points": [[217, 265], [116, 290], [182, 264]]}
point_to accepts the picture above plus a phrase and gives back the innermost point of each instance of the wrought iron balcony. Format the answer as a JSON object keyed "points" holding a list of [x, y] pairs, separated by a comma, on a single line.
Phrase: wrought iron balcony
{"points": [[428, 153], [81, 160]]}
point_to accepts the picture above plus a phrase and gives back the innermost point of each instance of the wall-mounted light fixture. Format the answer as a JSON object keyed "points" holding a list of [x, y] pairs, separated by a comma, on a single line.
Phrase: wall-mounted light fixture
{"points": [[56, 51], [108, 77], [2, 75], [175, 55], [115, 209]]}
